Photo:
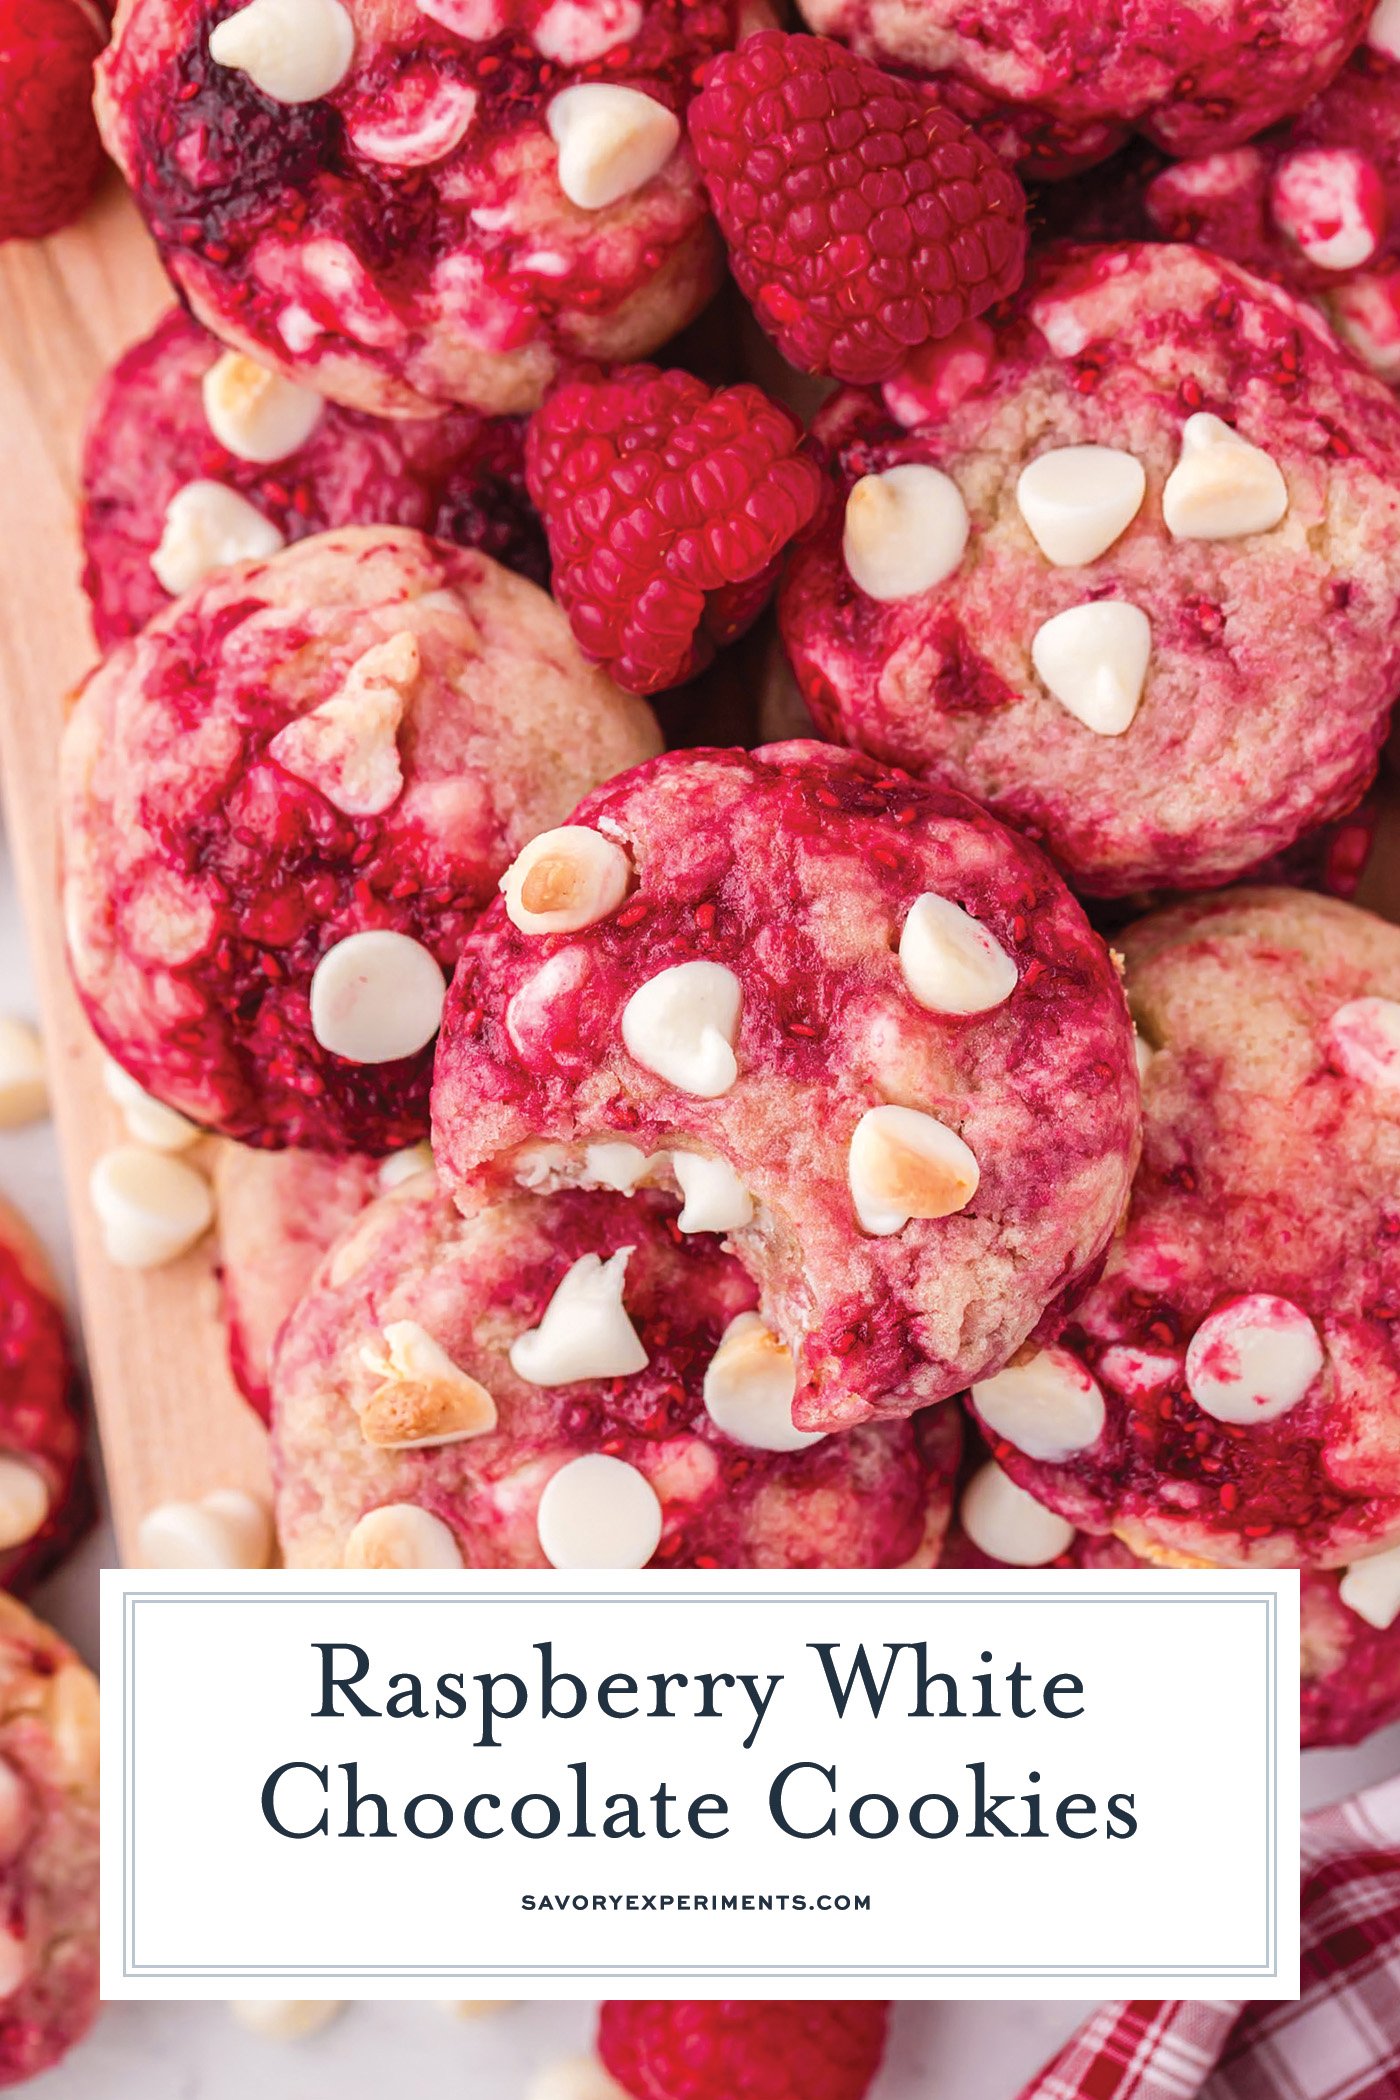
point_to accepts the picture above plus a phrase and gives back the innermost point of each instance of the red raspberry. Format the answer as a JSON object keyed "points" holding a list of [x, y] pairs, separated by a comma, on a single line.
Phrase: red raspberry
{"points": [[667, 508], [50, 153], [742, 2049], [862, 219]]}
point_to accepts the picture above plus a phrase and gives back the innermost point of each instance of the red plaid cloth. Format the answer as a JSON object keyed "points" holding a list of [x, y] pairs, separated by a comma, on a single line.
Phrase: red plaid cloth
{"points": [[1339, 2041]]}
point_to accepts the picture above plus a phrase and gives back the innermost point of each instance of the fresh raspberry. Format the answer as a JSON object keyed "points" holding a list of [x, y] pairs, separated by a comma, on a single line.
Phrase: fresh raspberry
{"points": [[667, 507], [862, 219], [743, 2049], [50, 153]]}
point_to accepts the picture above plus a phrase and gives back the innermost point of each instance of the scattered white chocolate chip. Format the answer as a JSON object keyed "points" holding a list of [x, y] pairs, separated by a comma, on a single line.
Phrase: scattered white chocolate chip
{"points": [[1048, 1405], [1383, 32], [256, 414], [564, 880], [682, 1025], [148, 1121], [1252, 1359], [225, 1529], [24, 1087], [1093, 659], [1222, 487], [14, 1962], [749, 1386], [404, 1166], [400, 1535], [1078, 499], [575, 32], [612, 140], [474, 2008], [1007, 1524], [1371, 1588], [906, 530], [584, 1331], [715, 1198], [1363, 1040], [1330, 202], [285, 2019], [207, 527], [599, 1512], [951, 964], [347, 747], [24, 1501], [376, 997], [294, 50], [424, 1398], [574, 2078], [904, 1164], [151, 1208]]}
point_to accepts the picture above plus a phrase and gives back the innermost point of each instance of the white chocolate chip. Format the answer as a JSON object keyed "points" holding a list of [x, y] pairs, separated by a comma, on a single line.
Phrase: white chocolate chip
{"points": [[400, 1167], [682, 1025], [584, 1331], [14, 1962], [904, 1164], [564, 880], [1329, 201], [256, 414], [951, 964], [294, 50], [1047, 1406], [1383, 34], [151, 1208], [73, 1717], [416, 124], [575, 32], [1143, 1054], [24, 1501], [347, 747], [1078, 499], [612, 140], [400, 1535], [749, 1386], [1007, 1524], [1363, 1040], [599, 1512], [225, 1529], [24, 1087], [285, 2019], [424, 1398], [1093, 659], [1253, 1359], [1365, 311], [376, 997], [906, 530], [14, 1810], [715, 1198], [148, 1121], [474, 2008], [1371, 1588], [614, 1164], [1222, 487], [208, 527], [574, 2078]]}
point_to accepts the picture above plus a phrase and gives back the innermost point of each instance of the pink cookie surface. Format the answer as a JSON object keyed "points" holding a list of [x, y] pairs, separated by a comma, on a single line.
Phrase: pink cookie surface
{"points": [[403, 241], [41, 1428], [1272, 656], [877, 1497], [459, 476], [1242, 1337], [210, 863], [793, 870]]}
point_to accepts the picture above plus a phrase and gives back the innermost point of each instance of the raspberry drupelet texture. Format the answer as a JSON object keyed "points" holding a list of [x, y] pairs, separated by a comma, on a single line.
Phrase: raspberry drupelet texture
{"points": [[773, 2049], [50, 154], [284, 804], [668, 508], [862, 220], [420, 1310], [151, 451], [1230, 1389], [45, 1493], [880, 1019]]}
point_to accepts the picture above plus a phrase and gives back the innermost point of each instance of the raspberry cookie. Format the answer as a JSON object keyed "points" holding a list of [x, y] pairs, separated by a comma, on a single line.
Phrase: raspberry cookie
{"points": [[863, 1028], [1130, 572], [1194, 75], [1230, 1390], [570, 1379], [45, 1494], [688, 2049], [283, 806], [406, 205], [48, 1846], [196, 456]]}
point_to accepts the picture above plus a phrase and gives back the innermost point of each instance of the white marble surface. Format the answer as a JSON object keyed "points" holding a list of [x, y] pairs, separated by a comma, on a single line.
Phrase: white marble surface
{"points": [[197, 2052]]}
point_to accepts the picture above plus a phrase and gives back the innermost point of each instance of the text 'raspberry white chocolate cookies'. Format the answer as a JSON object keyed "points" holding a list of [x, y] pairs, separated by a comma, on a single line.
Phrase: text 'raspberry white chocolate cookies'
{"points": [[882, 1018], [410, 1428], [284, 804]]}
